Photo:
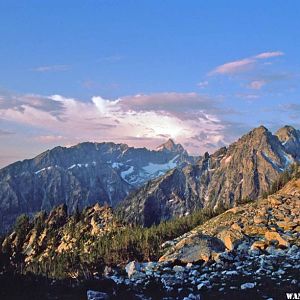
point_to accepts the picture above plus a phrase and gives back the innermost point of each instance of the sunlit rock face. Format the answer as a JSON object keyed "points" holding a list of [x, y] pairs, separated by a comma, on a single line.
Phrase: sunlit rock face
{"points": [[290, 138]]}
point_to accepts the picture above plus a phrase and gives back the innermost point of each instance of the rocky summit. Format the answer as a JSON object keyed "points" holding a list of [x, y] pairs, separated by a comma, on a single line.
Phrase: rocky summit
{"points": [[242, 171], [82, 175]]}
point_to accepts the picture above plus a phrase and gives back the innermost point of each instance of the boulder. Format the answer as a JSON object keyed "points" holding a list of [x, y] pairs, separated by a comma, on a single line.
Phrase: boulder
{"points": [[261, 245], [259, 220], [254, 230], [274, 200], [247, 285], [230, 238], [193, 249], [286, 225], [236, 226], [275, 236], [94, 295], [132, 268], [178, 269]]}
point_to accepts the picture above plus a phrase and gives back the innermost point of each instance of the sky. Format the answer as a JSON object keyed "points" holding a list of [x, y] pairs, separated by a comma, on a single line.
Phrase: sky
{"points": [[140, 72]]}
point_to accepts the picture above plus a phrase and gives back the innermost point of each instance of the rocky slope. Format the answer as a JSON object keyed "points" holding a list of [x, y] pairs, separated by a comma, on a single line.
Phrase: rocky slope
{"points": [[54, 235], [249, 251], [252, 250], [81, 176], [244, 170]]}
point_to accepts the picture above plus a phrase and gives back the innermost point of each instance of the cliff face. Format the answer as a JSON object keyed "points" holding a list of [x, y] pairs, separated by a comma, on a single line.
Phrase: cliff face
{"points": [[244, 170], [81, 176]]}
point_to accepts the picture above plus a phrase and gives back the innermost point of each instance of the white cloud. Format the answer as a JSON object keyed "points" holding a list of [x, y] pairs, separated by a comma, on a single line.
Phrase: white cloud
{"points": [[139, 120], [104, 106], [269, 54], [243, 65]]}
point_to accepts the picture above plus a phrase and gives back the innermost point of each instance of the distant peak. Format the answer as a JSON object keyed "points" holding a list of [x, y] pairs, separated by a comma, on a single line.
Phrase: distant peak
{"points": [[170, 146], [169, 143], [287, 129], [287, 133], [259, 131]]}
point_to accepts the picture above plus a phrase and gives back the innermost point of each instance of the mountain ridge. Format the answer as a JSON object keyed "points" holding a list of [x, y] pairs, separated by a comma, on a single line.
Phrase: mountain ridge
{"points": [[245, 169], [81, 175]]}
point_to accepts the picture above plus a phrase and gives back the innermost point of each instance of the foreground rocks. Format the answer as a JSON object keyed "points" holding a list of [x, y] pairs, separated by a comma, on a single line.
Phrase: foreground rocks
{"points": [[252, 251], [272, 222], [240, 274]]}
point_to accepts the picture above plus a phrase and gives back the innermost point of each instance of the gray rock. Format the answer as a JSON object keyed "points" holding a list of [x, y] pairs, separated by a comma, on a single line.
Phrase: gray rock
{"points": [[203, 285], [248, 285], [194, 248], [132, 267], [94, 295], [178, 269]]}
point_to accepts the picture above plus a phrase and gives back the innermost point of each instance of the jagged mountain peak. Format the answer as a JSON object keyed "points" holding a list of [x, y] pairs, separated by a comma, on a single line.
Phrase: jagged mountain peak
{"points": [[257, 132], [82, 175], [286, 132], [257, 140], [171, 146], [290, 139], [244, 170]]}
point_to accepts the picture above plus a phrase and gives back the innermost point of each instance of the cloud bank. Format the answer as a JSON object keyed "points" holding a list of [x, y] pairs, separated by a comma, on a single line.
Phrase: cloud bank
{"points": [[139, 120]]}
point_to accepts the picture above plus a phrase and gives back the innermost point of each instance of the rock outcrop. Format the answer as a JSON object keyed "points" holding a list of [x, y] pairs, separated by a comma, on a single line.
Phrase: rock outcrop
{"points": [[58, 233]]}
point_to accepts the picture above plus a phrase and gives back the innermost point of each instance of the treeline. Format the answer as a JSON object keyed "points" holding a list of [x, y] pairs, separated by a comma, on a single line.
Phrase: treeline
{"points": [[292, 172], [90, 254]]}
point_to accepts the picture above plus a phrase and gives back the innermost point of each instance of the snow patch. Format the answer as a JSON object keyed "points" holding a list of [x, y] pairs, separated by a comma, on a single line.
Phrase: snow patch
{"points": [[127, 172], [152, 168], [288, 159], [73, 166], [117, 165], [81, 165], [44, 169]]}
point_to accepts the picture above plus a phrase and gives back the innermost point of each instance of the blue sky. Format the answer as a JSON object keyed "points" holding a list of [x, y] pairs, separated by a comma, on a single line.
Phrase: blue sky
{"points": [[201, 72]]}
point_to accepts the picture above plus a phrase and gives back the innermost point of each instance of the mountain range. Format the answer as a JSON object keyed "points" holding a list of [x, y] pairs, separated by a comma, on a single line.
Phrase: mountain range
{"points": [[242, 171], [147, 187], [81, 176]]}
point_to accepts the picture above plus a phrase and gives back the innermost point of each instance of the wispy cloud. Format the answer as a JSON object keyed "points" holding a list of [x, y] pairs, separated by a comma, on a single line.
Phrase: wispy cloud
{"points": [[244, 64], [17, 102], [51, 68], [234, 67], [50, 138], [257, 84], [265, 55], [202, 84]]}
